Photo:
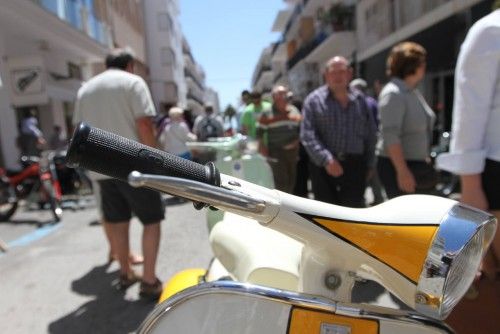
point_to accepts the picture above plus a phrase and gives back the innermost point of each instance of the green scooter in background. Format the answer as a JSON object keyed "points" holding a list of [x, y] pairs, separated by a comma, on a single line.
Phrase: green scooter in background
{"points": [[237, 156]]}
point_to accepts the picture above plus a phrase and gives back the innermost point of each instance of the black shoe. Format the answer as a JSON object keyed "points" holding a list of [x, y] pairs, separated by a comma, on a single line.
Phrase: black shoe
{"points": [[151, 291]]}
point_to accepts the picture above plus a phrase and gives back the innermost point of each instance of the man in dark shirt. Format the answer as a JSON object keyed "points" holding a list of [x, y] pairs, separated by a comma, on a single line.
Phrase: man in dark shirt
{"points": [[339, 134]]}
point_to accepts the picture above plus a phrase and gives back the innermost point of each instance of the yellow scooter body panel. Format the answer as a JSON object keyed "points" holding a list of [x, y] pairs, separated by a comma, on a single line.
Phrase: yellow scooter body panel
{"points": [[182, 280]]}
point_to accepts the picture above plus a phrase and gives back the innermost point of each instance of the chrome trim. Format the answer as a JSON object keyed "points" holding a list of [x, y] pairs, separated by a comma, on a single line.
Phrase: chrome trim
{"points": [[200, 192], [456, 230], [287, 297], [231, 287]]}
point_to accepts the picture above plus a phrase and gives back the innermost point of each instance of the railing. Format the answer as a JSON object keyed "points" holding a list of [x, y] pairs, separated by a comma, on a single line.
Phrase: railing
{"points": [[78, 15], [305, 50], [337, 18]]}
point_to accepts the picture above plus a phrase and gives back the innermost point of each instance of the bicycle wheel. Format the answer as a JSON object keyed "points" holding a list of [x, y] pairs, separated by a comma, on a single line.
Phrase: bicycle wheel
{"points": [[8, 200]]}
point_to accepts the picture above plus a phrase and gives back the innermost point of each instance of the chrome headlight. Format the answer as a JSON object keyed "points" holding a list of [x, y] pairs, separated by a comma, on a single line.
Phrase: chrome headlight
{"points": [[453, 260]]}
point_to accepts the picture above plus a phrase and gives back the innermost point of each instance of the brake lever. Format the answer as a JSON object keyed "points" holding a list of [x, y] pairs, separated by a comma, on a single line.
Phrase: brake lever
{"points": [[195, 191]]}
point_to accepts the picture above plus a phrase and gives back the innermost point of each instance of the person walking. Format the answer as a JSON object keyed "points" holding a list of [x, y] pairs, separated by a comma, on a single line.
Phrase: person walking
{"points": [[31, 140], [406, 125], [209, 125], [338, 133], [176, 134], [119, 101], [278, 133], [374, 181], [248, 122], [475, 156]]}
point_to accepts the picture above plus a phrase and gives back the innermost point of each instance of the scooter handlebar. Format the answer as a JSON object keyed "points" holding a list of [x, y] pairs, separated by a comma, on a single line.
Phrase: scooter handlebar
{"points": [[112, 155]]}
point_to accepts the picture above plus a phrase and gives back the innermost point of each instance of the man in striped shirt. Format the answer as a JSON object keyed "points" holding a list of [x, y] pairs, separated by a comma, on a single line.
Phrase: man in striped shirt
{"points": [[278, 134], [339, 134]]}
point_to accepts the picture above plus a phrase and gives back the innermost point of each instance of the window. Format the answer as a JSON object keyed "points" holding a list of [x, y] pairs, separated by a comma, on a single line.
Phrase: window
{"points": [[74, 71], [164, 22], [167, 56]]}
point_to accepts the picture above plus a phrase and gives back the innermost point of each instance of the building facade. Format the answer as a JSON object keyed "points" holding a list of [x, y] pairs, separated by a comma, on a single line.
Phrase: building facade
{"points": [[439, 26], [364, 31], [42, 63], [195, 81], [165, 54], [311, 32]]}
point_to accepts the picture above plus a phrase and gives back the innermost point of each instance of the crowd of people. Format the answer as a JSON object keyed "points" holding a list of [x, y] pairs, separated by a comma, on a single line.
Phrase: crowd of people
{"points": [[339, 137]]}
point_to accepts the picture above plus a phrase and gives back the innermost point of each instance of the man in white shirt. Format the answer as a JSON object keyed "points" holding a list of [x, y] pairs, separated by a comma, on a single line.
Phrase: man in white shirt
{"points": [[119, 101]]}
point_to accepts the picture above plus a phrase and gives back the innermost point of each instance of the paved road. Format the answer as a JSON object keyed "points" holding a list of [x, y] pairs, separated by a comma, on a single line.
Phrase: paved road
{"points": [[54, 278]]}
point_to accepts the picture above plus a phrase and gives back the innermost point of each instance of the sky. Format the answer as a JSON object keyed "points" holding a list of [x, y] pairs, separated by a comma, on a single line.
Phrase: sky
{"points": [[227, 38]]}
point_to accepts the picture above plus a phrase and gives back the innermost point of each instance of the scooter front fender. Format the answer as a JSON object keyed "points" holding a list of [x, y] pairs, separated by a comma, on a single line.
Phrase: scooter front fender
{"points": [[181, 281]]}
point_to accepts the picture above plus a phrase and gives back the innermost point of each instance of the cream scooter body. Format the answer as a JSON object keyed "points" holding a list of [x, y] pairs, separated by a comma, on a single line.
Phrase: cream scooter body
{"points": [[329, 264], [425, 250]]}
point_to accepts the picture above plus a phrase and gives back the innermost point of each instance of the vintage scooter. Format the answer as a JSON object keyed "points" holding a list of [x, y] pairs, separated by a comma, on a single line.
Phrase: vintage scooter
{"points": [[237, 156], [425, 250]]}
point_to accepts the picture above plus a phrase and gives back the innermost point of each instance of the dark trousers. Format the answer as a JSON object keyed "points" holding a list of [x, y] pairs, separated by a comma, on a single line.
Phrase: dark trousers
{"points": [[284, 168], [389, 178], [347, 189], [300, 188]]}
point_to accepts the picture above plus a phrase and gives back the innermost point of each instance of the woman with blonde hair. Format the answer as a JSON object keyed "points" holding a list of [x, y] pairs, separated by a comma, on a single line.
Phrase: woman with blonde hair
{"points": [[406, 125]]}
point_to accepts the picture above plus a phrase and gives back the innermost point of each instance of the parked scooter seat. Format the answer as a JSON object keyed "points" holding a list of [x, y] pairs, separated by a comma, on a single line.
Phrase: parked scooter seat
{"points": [[255, 254]]}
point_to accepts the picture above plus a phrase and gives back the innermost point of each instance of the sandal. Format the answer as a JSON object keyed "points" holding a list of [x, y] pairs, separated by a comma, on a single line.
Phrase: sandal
{"points": [[126, 281], [151, 291]]}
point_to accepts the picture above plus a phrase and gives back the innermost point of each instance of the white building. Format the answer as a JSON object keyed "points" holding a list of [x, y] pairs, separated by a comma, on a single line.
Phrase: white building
{"points": [[212, 97], [42, 47], [195, 81], [165, 54]]}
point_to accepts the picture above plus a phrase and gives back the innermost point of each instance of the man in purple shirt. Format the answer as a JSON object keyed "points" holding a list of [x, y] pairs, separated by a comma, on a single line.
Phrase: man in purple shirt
{"points": [[339, 134]]}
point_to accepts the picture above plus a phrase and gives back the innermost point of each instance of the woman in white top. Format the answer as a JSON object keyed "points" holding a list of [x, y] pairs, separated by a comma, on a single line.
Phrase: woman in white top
{"points": [[176, 134]]}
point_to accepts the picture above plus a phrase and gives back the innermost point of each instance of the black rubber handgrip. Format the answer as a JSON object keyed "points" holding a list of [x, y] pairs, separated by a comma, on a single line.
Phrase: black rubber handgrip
{"points": [[112, 155]]}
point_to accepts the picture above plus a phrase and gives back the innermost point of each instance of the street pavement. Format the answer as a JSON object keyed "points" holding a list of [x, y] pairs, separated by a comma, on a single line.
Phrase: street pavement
{"points": [[54, 277]]}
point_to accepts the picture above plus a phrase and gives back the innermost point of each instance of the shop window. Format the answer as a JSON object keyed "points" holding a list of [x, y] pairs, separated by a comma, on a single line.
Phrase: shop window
{"points": [[74, 71]]}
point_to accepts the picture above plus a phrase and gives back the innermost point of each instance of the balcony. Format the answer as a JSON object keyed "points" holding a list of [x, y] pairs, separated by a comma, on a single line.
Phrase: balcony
{"points": [[80, 17], [191, 77], [193, 97], [336, 20]]}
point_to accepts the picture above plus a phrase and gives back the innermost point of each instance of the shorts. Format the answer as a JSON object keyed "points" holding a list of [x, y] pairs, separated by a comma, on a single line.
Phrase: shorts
{"points": [[119, 200], [491, 183]]}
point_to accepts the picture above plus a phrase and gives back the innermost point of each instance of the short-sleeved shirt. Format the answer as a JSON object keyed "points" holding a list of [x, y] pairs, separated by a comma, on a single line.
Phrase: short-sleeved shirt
{"points": [[278, 129], [113, 101], [251, 115]]}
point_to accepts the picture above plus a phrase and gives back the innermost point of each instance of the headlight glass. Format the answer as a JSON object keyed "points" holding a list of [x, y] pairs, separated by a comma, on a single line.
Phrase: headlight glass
{"points": [[453, 260], [462, 272]]}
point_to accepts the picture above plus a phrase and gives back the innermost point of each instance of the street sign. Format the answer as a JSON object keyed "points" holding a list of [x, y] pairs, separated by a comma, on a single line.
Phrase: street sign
{"points": [[27, 81]]}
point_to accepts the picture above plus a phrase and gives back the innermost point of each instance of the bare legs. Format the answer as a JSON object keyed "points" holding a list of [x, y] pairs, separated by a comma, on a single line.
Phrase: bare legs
{"points": [[118, 234], [150, 246]]}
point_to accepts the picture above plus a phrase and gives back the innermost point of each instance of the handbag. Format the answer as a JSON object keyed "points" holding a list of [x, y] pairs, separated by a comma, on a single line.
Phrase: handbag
{"points": [[426, 177]]}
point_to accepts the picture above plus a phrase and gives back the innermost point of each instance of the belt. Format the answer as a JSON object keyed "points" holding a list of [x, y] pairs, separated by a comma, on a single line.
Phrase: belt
{"points": [[341, 156]]}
